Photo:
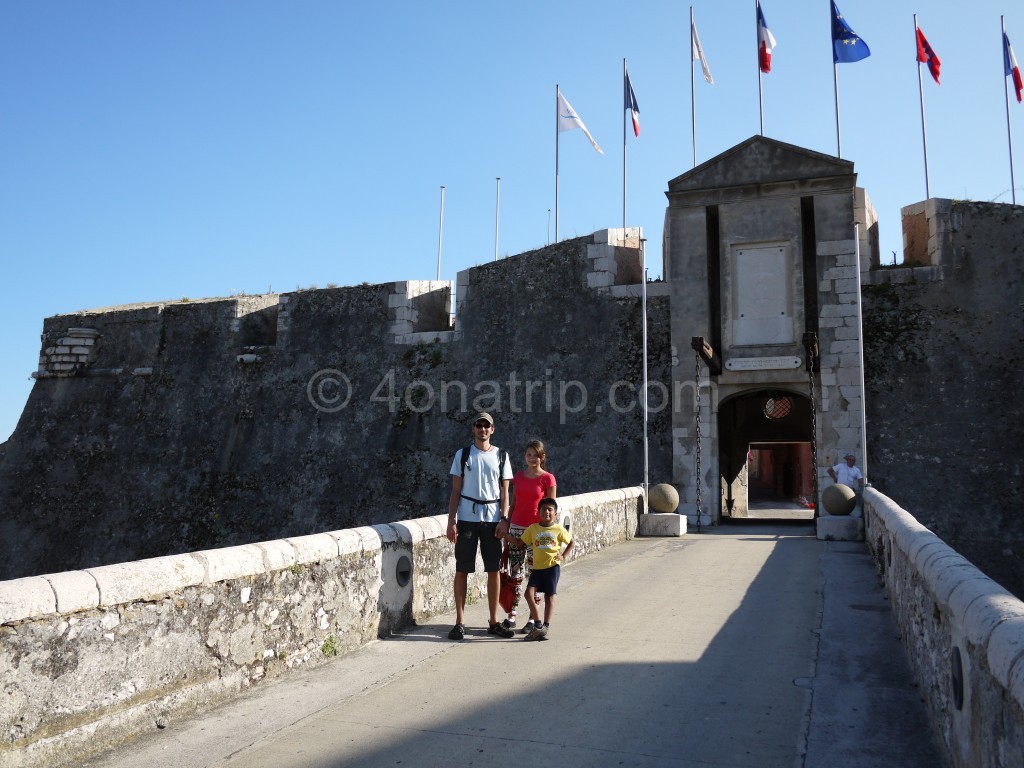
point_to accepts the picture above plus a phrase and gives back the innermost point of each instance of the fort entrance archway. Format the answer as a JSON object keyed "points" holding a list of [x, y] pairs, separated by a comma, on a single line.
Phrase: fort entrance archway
{"points": [[765, 455]]}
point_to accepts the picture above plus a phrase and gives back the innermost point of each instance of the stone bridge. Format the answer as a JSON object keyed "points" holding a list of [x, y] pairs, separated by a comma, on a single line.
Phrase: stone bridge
{"points": [[737, 646]]}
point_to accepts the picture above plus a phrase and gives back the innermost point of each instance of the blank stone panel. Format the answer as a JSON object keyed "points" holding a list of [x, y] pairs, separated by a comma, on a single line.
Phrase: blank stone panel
{"points": [[762, 312]]}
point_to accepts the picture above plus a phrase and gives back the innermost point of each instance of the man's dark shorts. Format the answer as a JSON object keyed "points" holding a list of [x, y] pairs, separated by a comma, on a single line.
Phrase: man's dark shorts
{"points": [[470, 534], [545, 580]]}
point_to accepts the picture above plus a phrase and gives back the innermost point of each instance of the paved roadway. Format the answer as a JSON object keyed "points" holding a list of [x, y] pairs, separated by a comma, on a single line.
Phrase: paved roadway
{"points": [[753, 647]]}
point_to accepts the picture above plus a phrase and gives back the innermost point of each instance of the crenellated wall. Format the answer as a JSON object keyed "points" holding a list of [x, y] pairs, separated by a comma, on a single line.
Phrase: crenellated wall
{"points": [[191, 425], [963, 633], [90, 658]]}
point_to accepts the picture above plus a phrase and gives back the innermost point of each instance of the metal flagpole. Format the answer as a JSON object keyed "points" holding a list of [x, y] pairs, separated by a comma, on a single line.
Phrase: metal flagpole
{"points": [[556, 161], [497, 210], [860, 349], [693, 114], [1006, 94], [643, 303], [835, 80], [440, 234], [624, 102], [760, 99], [924, 132]]}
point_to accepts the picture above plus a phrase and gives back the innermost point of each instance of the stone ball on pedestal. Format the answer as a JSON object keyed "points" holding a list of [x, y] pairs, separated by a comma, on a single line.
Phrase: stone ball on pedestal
{"points": [[839, 499], [663, 498]]}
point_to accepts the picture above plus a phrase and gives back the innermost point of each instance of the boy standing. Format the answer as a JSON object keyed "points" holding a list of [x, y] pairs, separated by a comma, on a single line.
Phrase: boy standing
{"points": [[546, 538]]}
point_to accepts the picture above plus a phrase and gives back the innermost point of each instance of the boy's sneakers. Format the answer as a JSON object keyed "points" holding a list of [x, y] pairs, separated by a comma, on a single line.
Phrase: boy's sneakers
{"points": [[458, 632], [500, 630], [539, 632], [509, 623], [528, 627]]}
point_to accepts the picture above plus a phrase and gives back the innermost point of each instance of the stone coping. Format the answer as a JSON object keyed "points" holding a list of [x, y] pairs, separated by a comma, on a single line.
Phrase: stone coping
{"points": [[966, 606], [120, 583]]}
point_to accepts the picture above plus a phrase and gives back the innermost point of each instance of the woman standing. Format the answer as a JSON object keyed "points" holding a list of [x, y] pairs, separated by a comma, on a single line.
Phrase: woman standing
{"points": [[529, 486]]}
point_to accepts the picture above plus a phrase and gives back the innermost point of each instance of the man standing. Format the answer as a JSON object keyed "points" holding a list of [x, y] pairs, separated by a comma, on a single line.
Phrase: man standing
{"points": [[478, 517]]}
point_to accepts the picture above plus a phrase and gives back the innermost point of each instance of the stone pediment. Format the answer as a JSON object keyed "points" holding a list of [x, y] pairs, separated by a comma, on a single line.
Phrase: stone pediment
{"points": [[760, 160]]}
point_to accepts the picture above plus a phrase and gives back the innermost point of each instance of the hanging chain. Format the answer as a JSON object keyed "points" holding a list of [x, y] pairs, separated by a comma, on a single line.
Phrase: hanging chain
{"points": [[811, 354], [698, 477]]}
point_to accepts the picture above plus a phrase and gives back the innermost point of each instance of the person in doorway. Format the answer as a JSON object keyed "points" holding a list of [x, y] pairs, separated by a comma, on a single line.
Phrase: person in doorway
{"points": [[478, 519], [529, 486], [847, 473], [546, 538]]}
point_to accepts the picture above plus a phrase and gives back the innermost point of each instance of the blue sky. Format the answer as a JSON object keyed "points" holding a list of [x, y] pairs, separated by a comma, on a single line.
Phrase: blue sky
{"points": [[160, 150]]}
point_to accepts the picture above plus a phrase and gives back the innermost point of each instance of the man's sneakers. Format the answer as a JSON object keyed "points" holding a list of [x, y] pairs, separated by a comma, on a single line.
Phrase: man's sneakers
{"points": [[528, 627], [458, 633], [500, 630]]}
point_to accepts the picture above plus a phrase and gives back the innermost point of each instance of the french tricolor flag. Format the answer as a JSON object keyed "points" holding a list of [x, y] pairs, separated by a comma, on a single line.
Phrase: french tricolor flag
{"points": [[1012, 68], [632, 106], [765, 41]]}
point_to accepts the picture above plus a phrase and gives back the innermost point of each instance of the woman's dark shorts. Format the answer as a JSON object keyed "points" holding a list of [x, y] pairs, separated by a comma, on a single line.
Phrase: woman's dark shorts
{"points": [[470, 534], [545, 580]]}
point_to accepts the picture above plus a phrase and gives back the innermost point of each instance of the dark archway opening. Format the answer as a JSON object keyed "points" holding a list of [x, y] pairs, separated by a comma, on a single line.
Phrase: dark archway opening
{"points": [[767, 470]]}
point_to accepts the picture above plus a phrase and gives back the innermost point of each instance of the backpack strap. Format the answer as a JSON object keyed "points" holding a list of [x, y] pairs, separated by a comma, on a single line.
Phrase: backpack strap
{"points": [[464, 460]]}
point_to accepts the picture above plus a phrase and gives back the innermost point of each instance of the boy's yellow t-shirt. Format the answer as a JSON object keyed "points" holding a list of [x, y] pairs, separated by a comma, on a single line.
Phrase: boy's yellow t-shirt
{"points": [[547, 544]]}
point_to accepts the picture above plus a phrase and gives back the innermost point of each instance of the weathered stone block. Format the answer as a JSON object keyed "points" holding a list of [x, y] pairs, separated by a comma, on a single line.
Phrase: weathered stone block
{"points": [[349, 542], [25, 599], [75, 590], [661, 524], [231, 562], [834, 247], [1006, 648], [147, 579], [988, 612], [844, 528], [314, 548], [278, 554]]}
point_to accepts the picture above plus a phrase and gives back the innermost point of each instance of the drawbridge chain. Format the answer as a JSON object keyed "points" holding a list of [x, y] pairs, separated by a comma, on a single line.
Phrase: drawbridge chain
{"points": [[698, 478], [811, 346]]}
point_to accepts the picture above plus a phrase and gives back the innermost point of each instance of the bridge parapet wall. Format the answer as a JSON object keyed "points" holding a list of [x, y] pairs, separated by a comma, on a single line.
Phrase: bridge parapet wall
{"points": [[964, 635], [91, 658]]}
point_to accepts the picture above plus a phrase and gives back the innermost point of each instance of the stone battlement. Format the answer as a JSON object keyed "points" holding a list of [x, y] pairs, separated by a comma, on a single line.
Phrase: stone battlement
{"points": [[202, 413]]}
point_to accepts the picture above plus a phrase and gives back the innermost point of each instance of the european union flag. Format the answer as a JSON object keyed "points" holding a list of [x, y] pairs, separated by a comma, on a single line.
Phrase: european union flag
{"points": [[846, 46]]}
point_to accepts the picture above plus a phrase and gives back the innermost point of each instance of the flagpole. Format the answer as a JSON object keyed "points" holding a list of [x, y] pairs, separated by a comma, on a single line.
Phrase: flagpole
{"points": [[835, 80], [440, 234], [497, 212], [760, 99], [1006, 94], [693, 113], [643, 302], [625, 100], [556, 161], [924, 131]]}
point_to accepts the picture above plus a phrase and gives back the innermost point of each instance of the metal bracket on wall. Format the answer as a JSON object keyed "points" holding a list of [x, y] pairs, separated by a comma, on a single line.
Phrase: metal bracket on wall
{"points": [[813, 358], [707, 353]]}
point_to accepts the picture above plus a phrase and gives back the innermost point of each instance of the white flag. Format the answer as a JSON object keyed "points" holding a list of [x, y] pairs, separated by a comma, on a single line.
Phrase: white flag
{"points": [[568, 120], [697, 53]]}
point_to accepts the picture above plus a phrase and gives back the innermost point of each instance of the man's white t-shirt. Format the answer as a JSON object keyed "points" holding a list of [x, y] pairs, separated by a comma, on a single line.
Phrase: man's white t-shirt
{"points": [[481, 482], [847, 475]]}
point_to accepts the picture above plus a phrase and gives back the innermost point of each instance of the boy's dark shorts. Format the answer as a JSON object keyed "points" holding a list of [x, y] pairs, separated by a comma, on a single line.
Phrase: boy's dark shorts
{"points": [[466, 545], [545, 580]]}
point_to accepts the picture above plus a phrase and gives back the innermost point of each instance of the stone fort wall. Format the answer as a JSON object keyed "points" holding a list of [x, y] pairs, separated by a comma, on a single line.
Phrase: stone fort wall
{"points": [[944, 355], [156, 429]]}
